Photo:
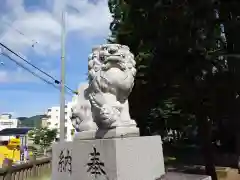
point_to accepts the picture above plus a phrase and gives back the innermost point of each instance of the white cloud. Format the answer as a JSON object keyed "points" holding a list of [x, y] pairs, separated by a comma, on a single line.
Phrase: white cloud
{"points": [[17, 76], [3, 76], [90, 20]]}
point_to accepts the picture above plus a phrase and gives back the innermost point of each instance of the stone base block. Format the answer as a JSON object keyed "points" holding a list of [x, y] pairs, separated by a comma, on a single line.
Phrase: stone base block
{"points": [[119, 132], [132, 158], [62, 161]]}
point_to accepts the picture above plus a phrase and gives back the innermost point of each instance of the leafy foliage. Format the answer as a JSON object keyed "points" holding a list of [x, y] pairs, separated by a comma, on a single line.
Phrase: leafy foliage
{"points": [[43, 136]]}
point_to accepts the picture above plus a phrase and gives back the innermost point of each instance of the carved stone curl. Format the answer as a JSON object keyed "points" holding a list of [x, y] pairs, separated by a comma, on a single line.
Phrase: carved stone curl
{"points": [[102, 103]]}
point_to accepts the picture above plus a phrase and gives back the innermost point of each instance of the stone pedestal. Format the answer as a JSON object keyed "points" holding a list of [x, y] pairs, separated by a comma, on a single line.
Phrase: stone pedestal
{"points": [[132, 158], [119, 132]]}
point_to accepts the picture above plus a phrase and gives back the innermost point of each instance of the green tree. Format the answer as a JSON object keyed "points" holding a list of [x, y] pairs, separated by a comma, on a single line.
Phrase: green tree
{"points": [[229, 15], [176, 44], [43, 137]]}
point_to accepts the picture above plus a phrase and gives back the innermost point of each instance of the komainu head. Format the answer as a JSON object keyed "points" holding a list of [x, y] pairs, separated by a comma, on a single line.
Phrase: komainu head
{"points": [[112, 67]]}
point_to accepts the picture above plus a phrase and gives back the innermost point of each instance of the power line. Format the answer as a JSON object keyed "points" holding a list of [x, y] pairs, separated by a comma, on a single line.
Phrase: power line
{"points": [[33, 73], [9, 25], [34, 42], [45, 73], [57, 82]]}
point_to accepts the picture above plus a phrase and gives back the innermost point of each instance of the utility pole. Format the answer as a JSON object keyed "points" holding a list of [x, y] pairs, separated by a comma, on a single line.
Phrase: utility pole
{"points": [[62, 94]]}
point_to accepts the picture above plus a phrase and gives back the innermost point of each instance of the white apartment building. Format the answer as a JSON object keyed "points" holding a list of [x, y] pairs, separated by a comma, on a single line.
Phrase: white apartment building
{"points": [[53, 120], [6, 121]]}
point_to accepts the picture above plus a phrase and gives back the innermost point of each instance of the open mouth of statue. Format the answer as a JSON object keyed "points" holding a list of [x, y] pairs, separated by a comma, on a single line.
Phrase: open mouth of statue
{"points": [[115, 61]]}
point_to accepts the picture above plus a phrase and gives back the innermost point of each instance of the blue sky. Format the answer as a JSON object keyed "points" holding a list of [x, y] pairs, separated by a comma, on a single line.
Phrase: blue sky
{"points": [[87, 25]]}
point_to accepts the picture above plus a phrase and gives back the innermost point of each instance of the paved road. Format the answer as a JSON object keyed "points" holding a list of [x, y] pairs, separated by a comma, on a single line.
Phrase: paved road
{"points": [[181, 176], [168, 176]]}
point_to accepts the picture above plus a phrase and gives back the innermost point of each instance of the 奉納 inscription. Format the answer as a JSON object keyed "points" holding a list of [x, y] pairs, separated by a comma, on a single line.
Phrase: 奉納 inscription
{"points": [[65, 161], [95, 166]]}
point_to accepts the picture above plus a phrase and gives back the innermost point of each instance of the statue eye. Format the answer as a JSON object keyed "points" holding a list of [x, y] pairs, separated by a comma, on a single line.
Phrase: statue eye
{"points": [[123, 55], [101, 58]]}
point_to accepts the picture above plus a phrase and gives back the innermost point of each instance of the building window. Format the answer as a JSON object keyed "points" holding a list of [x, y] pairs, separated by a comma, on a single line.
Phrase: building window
{"points": [[65, 130], [6, 123], [48, 123], [49, 110]]}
